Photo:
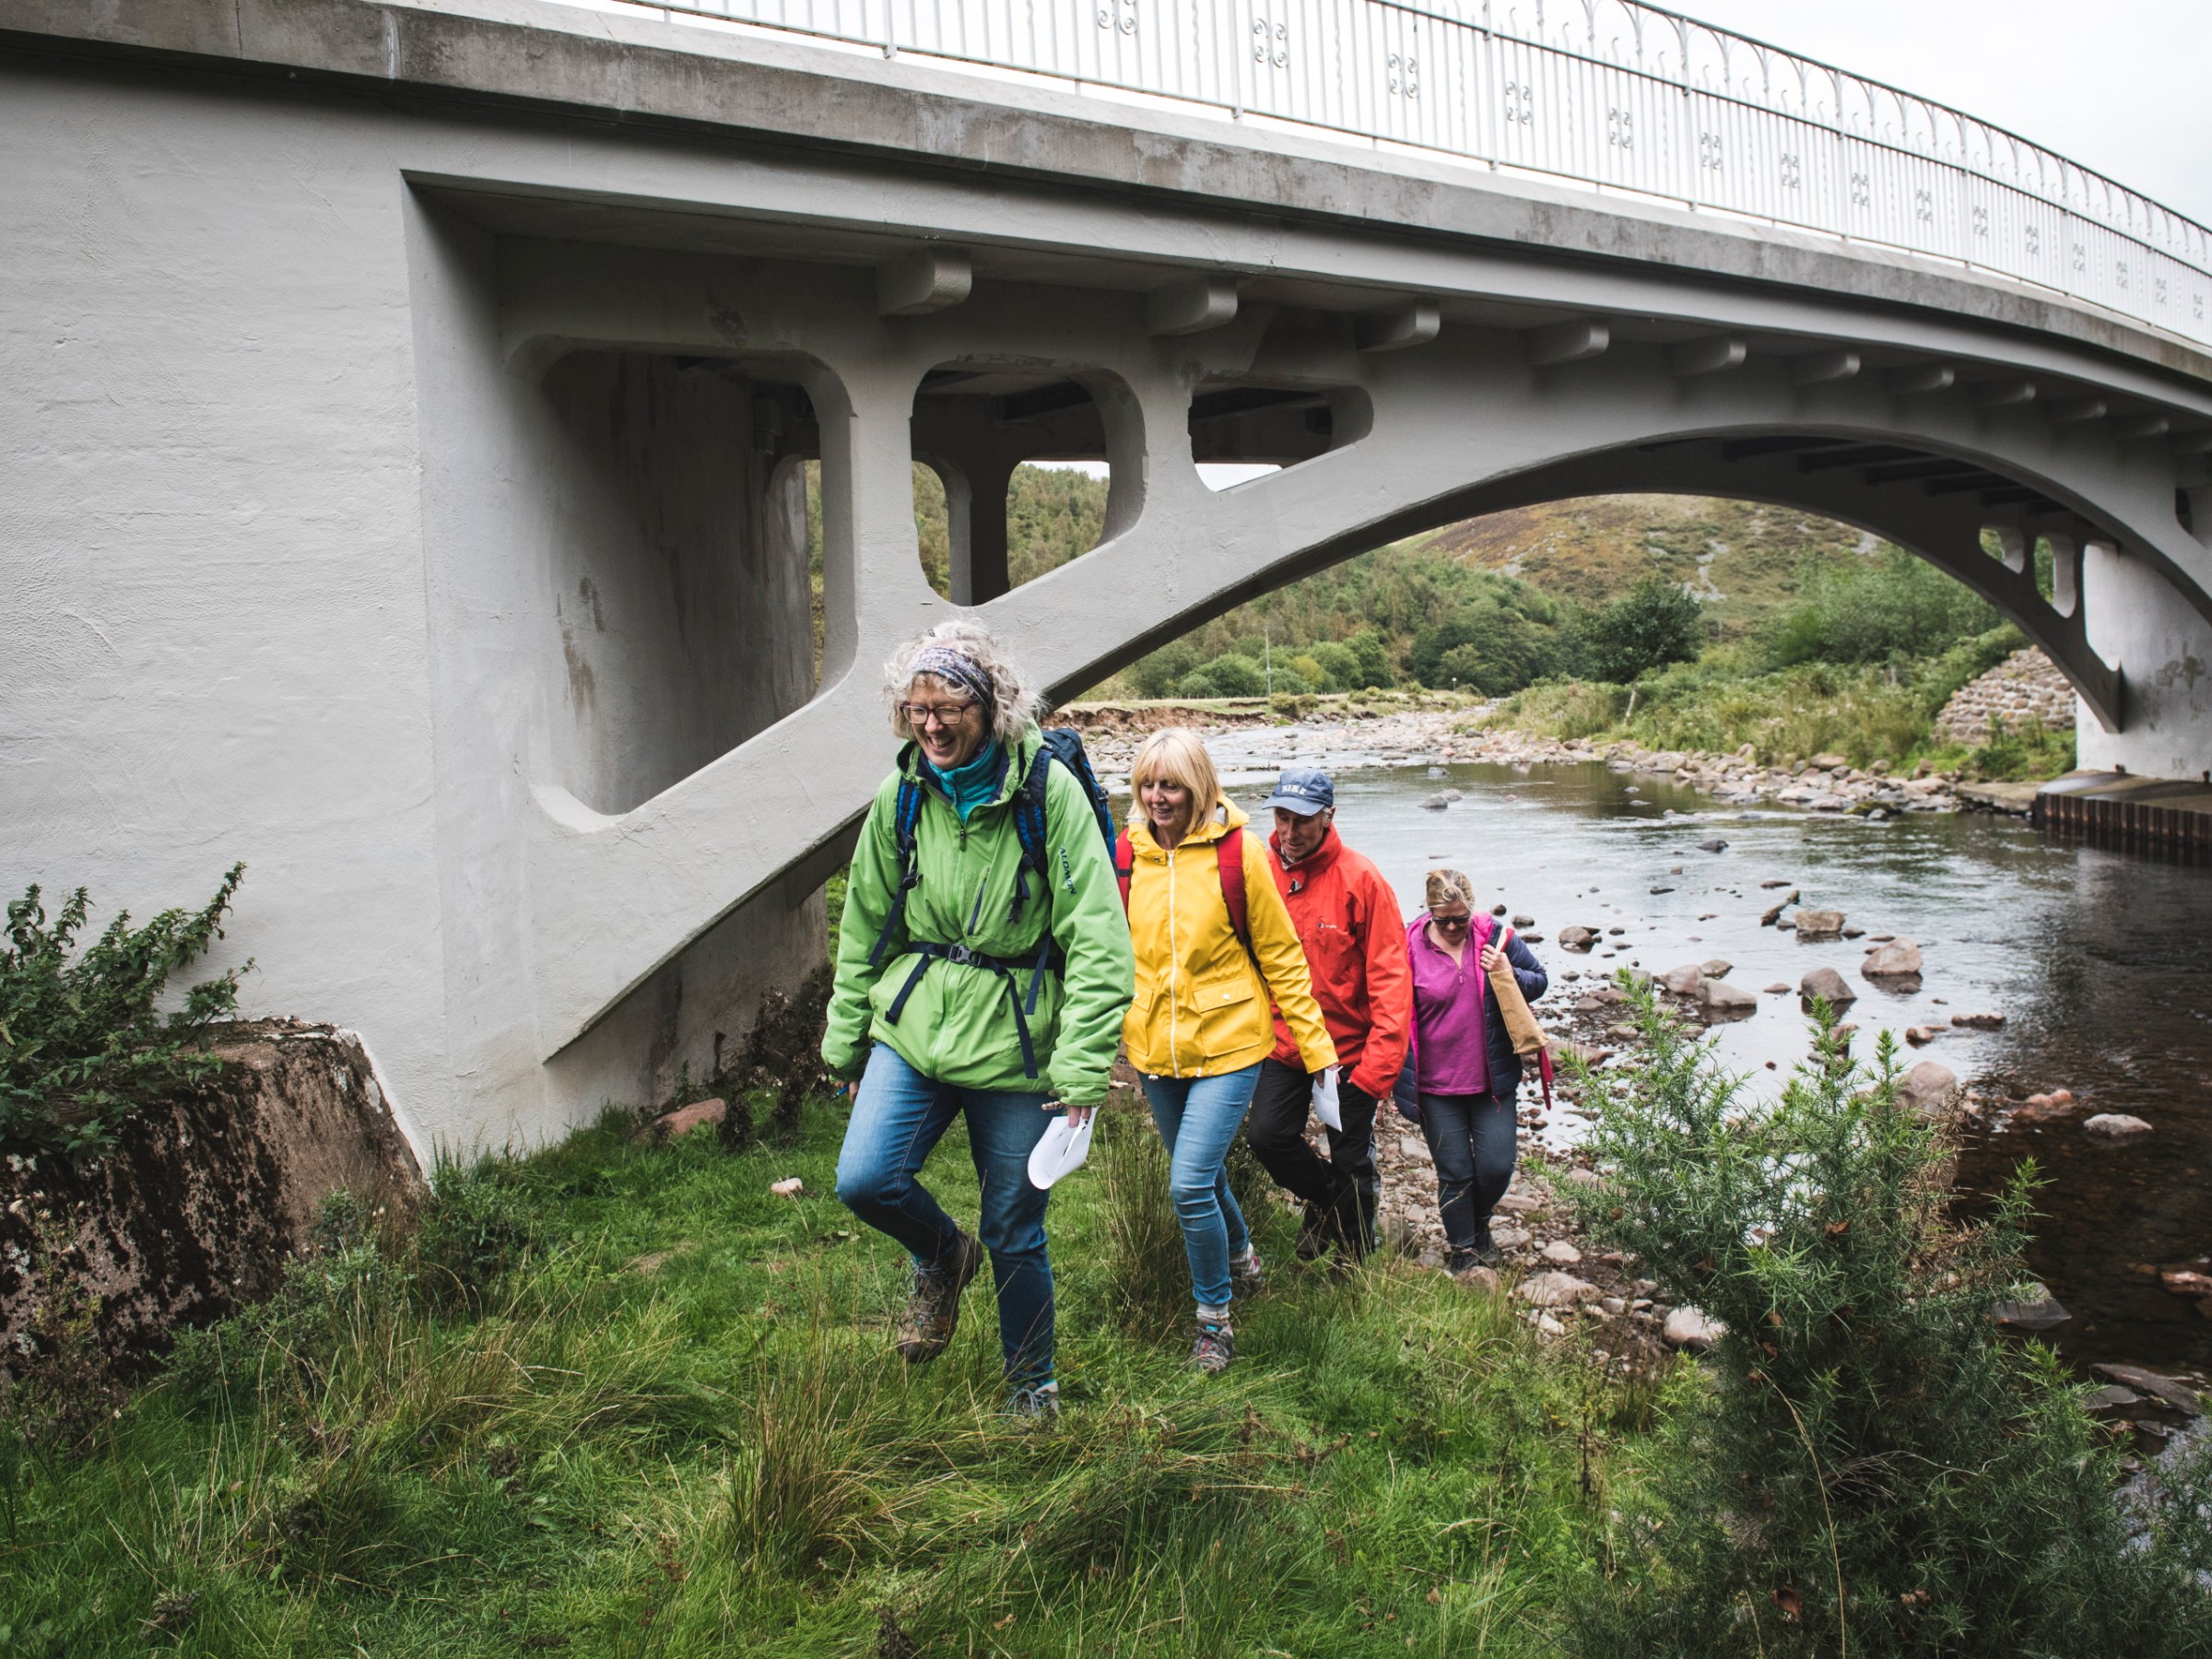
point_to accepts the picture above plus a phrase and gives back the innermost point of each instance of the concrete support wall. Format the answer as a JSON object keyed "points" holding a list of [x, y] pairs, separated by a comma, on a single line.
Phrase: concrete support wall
{"points": [[2164, 649]]}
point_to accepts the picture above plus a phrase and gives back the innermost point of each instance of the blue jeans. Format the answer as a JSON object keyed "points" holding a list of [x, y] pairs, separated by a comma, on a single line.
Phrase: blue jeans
{"points": [[1199, 1117], [898, 1116], [1474, 1141]]}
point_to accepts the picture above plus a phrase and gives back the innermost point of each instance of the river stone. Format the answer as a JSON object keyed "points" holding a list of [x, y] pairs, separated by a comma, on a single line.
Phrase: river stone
{"points": [[1435, 803], [2113, 1127], [2047, 1108], [1929, 1086], [1978, 1022], [1826, 983], [1556, 1290], [2183, 1281], [1510, 1238], [1898, 959], [1921, 1036], [1717, 968], [2111, 1397], [1687, 1328], [1478, 1277], [1715, 845], [1561, 1254], [1524, 922], [2039, 1311], [1577, 938], [2170, 1390], [1778, 989], [700, 1114], [1829, 762], [1819, 923], [1683, 980], [1723, 1000], [790, 1186]]}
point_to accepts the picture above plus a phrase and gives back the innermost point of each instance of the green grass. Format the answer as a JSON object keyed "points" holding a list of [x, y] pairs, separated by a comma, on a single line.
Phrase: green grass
{"points": [[676, 1428]]}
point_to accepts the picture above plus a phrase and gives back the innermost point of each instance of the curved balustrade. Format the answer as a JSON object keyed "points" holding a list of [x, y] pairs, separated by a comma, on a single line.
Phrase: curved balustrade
{"points": [[1603, 92]]}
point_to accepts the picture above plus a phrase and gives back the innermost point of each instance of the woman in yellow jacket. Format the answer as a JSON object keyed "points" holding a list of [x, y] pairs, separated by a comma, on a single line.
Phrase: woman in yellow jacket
{"points": [[1201, 1023]]}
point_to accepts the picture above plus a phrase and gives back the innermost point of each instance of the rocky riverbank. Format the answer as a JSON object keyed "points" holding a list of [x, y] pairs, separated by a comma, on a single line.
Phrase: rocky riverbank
{"points": [[1439, 735]]}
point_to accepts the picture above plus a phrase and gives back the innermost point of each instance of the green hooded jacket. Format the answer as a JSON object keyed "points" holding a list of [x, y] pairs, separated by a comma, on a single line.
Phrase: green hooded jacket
{"points": [[958, 1026]]}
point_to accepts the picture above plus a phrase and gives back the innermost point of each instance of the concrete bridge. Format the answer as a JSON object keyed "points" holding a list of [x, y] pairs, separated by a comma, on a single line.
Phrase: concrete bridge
{"points": [[406, 409]]}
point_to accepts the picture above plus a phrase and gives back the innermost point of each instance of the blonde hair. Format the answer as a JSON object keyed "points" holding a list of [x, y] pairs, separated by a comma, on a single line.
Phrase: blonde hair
{"points": [[1176, 755], [1443, 885], [1014, 702]]}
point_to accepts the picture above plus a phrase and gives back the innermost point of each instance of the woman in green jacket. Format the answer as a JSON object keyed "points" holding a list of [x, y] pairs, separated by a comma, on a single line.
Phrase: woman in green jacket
{"points": [[988, 991]]}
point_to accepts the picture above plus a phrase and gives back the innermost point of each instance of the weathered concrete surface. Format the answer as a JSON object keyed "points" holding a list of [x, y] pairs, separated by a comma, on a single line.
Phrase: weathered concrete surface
{"points": [[201, 1202], [407, 408]]}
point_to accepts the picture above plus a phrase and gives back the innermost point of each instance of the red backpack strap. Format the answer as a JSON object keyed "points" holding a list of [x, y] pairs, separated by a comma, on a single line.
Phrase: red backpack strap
{"points": [[1228, 861], [1124, 863]]}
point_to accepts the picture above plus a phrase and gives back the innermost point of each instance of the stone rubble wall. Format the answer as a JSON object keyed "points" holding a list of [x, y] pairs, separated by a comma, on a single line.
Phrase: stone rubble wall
{"points": [[2025, 688]]}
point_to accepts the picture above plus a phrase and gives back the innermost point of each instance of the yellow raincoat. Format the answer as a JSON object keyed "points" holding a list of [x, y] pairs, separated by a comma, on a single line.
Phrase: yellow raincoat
{"points": [[1201, 1008]]}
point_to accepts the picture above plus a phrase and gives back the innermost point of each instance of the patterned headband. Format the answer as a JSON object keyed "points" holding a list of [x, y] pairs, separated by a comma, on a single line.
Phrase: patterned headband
{"points": [[941, 662]]}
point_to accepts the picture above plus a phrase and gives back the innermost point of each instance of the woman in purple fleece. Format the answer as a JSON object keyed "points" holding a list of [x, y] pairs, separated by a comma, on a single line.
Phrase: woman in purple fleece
{"points": [[1461, 1071]]}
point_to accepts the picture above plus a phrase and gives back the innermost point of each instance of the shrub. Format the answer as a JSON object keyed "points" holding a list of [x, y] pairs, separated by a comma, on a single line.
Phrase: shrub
{"points": [[1869, 610], [1228, 674], [475, 1227], [81, 1047], [1653, 624], [1877, 1469]]}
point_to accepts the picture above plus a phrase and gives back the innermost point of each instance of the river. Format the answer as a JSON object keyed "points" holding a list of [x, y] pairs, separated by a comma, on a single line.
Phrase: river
{"points": [[2095, 961]]}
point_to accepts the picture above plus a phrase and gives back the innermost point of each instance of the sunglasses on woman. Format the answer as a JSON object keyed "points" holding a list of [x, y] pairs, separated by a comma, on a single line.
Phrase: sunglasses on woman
{"points": [[1452, 922]]}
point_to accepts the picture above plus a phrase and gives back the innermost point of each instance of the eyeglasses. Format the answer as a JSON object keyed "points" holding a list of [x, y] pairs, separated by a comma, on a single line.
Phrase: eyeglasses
{"points": [[945, 714], [1452, 924]]}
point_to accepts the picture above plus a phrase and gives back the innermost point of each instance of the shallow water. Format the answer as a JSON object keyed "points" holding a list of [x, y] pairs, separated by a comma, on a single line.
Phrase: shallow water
{"points": [[2097, 961]]}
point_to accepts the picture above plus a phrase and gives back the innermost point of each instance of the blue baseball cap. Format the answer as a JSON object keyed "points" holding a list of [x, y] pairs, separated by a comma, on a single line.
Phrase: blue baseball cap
{"points": [[1304, 790]]}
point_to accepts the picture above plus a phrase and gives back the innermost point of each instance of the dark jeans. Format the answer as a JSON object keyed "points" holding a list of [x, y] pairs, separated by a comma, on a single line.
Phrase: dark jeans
{"points": [[1345, 1185], [1473, 1139], [898, 1116]]}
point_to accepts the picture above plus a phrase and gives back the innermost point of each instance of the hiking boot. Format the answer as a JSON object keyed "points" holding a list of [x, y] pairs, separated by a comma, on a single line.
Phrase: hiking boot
{"points": [[1246, 1276], [933, 1307], [1313, 1237], [1457, 1261], [1041, 1402], [1214, 1347]]}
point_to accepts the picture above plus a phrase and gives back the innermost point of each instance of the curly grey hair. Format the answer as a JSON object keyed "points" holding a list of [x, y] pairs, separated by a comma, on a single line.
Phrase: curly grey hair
{"points": [[1015, 704]]}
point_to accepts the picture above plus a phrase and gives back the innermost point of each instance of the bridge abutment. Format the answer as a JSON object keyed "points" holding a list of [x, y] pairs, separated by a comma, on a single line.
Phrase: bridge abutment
{"points": [[2162, 646]]}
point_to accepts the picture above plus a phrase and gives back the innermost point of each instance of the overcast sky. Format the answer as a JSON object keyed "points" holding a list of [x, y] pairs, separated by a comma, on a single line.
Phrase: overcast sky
{"points": [[2121, 86]]}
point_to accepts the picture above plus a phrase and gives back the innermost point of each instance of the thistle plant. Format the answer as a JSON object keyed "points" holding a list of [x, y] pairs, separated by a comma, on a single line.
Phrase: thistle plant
{"points": [[1876, 1469]]}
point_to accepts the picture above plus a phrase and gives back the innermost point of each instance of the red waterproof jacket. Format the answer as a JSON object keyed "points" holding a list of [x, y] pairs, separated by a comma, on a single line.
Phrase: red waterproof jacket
{"points": [[1355, 940]]}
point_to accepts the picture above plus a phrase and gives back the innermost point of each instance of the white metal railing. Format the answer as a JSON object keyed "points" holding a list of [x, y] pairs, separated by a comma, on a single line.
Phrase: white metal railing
{"points": [[1605, 92]]}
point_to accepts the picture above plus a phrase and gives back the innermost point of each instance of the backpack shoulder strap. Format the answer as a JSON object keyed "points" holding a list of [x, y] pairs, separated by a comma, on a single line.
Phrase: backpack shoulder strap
{"points": [[906, 815], [1124, 863], [1228, 860]]}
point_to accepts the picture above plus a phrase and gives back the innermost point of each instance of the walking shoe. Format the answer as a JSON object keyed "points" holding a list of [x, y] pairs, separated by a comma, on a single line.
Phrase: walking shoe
{"points": [[1214, 1346], [1457, 1262], [933, 1307], [1246, 1276], [1041, 1403]]}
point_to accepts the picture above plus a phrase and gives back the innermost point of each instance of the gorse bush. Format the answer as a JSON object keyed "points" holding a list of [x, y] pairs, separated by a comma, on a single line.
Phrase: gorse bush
{"points": [[81, 1046], [1876, 1470]]}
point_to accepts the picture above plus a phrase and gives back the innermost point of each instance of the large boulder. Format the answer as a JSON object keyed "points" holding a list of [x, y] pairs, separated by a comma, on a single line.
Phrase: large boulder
{"points": [[1929, 1086], [1577, 938], [1819, 923], [1900, 958], [1725, 1000], [1826, 982], [1683, 980], [203, 1197]]}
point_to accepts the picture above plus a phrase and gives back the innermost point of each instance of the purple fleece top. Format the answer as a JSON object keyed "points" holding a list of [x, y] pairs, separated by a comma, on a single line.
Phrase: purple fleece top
{"points": [[1451, 1029]]}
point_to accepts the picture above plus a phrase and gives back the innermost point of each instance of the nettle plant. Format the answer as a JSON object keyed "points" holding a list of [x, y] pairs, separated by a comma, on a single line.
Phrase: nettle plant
{"points": [[1873, 1468], [81, 1043]]}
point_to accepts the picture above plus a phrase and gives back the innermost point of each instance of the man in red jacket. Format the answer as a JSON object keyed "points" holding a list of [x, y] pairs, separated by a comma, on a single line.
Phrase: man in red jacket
{"points": [[1348, 920]]}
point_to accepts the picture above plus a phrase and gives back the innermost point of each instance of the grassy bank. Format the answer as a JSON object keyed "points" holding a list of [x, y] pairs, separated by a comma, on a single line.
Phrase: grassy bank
{"points": [[620, 1399], [1865, 712]]}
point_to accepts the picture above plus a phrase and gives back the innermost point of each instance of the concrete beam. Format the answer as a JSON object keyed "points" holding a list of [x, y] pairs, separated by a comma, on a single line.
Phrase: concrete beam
{"points": [[1712, 356], [1819, 368], [1917, 380], [2198, 442], [2013, 393], [929, 279], [1190, 305], [1570, 342], [2145, 425], [1414, 323], [2073, 411]]}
